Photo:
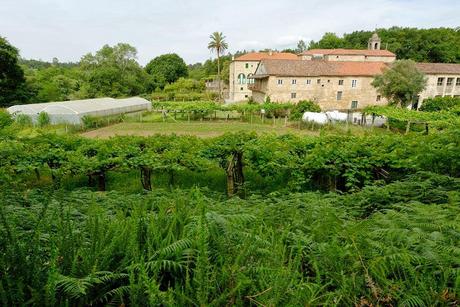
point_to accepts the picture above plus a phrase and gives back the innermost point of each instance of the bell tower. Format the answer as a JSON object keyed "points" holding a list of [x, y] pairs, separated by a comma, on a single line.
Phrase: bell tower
{"points": [[374, 42]]}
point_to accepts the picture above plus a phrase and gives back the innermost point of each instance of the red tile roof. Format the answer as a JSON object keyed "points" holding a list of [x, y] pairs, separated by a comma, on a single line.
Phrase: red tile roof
{"points": [[385, 53], [439, 68], [258, 56], [299, 68]]}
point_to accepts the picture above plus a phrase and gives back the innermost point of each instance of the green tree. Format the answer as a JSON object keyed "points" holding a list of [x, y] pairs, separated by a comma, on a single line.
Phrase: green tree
{"points": [[12, 78], [401, 83], [328, 41], [166, 68], [301, 46], [112, 71], [219, 45]]}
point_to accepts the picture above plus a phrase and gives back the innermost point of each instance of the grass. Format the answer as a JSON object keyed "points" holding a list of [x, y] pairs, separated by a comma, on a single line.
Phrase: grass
{"points": [[197, 128]]}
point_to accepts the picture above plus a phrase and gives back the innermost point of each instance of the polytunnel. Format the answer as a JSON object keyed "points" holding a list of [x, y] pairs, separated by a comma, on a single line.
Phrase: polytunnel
{"points": [[73, 111]]}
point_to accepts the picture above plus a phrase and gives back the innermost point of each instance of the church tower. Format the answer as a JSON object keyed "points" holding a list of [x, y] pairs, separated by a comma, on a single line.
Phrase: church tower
{"points": [[374, 42]]}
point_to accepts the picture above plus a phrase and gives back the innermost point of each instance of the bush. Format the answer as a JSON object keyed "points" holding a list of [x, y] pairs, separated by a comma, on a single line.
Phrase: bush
{"points": [[302, 107], [185, 86], [440, 103], [43, 119], [23, 120], [5, 119]]}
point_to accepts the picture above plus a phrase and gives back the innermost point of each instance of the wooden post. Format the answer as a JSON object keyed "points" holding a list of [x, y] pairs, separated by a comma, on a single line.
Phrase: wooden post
{"points": [[408, 127], [285, 120], [188, 116], [274, 121]]}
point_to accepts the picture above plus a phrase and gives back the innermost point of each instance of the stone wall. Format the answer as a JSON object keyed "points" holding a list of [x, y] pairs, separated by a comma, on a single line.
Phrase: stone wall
{"points": [[433, 90], [322, 90], [351, 58]]}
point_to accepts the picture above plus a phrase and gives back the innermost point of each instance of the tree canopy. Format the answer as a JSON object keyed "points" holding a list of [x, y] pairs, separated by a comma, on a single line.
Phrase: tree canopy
{"points": [[11, 74], [401, 83], [113, 71], [421, 45], [166, 68]]}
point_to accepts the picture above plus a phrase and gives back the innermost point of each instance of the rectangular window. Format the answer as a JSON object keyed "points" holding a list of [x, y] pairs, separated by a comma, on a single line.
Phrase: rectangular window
{"points": [[280, 81], [450, 81], [339, 95], [247, 65], [293, 95], [440, 81], [318, 81], [309, 81], [340, 82], [294, 81], [458, 82], [378, 98], [353, 83], [354, 104]]}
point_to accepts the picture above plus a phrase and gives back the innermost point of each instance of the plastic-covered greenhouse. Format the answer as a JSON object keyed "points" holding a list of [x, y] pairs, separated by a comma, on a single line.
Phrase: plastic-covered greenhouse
{"points": [[73, 111]]}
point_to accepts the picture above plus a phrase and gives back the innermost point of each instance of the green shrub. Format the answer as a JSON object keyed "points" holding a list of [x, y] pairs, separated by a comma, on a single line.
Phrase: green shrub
{"points": [[23, 120], [440, 103], [302, 107], [5, 119], [43, 119]]}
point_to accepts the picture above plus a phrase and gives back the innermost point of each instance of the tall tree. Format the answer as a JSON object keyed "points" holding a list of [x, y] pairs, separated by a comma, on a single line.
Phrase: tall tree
{"points": [[113, 71], [218, 45], [301, 46], [401, 83], [11, 74], [166, 68]]}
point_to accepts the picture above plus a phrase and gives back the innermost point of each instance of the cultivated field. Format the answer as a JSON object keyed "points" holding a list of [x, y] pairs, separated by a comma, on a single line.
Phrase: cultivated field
{"points": [[201, 129]]}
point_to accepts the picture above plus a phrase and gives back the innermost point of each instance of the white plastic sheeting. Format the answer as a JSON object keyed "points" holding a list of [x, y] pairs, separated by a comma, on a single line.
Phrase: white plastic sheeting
{"points": [[319, 118], [336, 116], [73, 111]]}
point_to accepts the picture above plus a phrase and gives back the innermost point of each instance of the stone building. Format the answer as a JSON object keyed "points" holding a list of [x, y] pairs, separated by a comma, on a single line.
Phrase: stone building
{"points": [[243, 67], [350, 55], [442, 80], [339, 79], [334, 85]]}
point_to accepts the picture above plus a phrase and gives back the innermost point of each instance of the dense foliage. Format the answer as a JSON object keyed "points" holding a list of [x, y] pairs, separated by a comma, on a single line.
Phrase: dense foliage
{"points": [[446, 103], [437, 45], [329, 220], [11, 75]]}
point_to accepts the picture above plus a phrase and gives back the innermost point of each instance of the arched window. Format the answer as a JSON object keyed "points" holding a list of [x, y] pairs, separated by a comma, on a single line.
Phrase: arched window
{"points": [[250, 80], [376, 46], [241, 79]]}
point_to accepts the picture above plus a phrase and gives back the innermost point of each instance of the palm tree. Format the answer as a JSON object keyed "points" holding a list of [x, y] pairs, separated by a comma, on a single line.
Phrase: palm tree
{"points": [[219, 45]]}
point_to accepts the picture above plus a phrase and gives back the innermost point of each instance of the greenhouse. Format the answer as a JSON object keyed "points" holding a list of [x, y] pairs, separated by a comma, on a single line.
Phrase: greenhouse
{"points": [[72, 112]]}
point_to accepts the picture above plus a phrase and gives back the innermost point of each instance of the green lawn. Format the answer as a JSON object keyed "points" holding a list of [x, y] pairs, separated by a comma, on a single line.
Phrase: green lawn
{"points": [[198, 128]]}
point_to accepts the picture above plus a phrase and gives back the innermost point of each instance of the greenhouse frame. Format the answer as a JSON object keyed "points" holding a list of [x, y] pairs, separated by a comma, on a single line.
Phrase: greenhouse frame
{"points": [[72, 111]]}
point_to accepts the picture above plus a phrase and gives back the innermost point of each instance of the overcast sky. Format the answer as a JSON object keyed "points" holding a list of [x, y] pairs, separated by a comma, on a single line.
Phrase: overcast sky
{"points": [[68, 29]]}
